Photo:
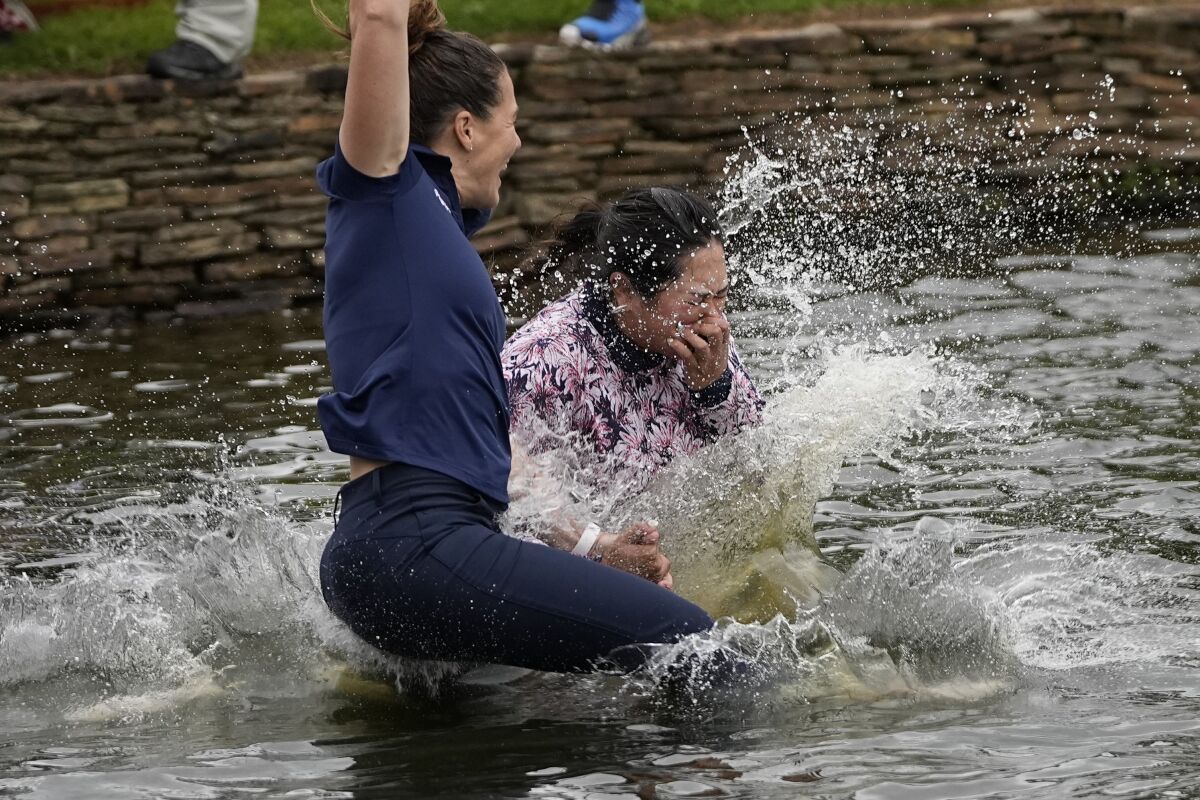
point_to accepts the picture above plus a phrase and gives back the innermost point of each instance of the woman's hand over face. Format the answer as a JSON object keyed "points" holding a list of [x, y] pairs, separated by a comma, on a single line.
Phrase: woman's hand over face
{"points": [[635, 550], [704, 350]]}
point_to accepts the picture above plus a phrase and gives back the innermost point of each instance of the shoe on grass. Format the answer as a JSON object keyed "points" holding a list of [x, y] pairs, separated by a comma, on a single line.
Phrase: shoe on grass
{"points": [[15, 17], [608, 25], [188, 61]]}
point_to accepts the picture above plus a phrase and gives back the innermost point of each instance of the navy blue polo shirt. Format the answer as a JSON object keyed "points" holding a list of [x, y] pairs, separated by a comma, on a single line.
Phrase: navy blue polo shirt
{"points": [[413, 326]]}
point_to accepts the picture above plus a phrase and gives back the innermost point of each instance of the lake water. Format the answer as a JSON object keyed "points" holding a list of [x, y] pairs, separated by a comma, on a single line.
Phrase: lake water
{"points": [[164, 495]]}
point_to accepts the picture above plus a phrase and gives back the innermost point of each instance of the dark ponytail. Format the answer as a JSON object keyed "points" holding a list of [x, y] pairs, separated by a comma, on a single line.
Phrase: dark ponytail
{"points": [[574, 242], [447, 71], [644, 234], [424, 19]]}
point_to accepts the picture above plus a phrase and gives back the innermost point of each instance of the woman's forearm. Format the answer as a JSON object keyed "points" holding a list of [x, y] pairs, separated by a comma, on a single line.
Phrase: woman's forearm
{"points": [[560, 536], [375, 125]]}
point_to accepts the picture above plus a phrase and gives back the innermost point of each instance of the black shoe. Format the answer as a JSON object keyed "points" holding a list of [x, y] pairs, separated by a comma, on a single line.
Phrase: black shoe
{"points": [[188, 61]]}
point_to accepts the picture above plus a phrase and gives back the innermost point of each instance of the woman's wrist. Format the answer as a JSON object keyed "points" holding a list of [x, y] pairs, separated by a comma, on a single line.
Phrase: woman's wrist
{"points": [[715, 391], [603, 545], [587, 540]]}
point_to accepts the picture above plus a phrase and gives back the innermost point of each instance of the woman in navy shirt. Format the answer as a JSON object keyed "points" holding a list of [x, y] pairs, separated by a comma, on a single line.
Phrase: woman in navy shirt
{"points": [[413, 327]]}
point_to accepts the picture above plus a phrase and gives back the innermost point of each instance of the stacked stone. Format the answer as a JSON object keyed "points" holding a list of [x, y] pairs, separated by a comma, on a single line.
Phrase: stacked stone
{"points": [[137, 194]]}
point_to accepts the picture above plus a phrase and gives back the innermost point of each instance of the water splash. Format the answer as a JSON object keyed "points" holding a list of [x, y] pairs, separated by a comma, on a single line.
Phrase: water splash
{"points": [[191, 596], [180, 599], [874, 198], [206, 590], [1072, 604], [909, 596]]}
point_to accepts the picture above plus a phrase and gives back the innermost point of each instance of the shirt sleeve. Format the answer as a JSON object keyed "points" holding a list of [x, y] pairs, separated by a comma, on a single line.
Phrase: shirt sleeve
{"points": [[539, 391], [339, 180], [732, 404], [537, 384]]}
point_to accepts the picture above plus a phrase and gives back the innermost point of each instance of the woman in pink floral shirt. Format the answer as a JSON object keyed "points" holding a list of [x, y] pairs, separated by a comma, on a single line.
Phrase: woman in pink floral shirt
{"points": [[638, 361]]}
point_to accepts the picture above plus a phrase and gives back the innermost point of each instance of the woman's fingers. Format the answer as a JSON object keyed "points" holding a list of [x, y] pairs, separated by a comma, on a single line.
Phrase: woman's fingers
{"points": [[663, 569], [703, 360], [698, 343], [655, 566], [710, 330], [683, 352], [635, 551], [645, 561], [640, 533], [705, 350]]}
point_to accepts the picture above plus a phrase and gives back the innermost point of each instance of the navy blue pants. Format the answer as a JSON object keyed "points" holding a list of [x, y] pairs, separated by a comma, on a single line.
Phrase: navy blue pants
{"points": [[418, 567]]}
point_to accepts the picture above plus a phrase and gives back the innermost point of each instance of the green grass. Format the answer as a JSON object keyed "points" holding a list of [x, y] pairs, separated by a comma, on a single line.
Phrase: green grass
{"points": [[98, 42]]}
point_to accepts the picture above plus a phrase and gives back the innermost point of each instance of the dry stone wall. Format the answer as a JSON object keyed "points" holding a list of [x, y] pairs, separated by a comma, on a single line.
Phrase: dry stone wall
{"points": [[151, 198]]}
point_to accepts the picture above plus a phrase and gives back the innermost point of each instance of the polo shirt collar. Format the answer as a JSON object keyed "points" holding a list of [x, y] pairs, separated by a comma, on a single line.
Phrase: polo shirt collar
{"points": [[438, 167], [627, 355]]}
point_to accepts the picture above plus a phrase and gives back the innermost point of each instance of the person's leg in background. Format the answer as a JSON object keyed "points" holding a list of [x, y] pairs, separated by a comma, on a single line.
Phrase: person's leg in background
{"points": [[15, 17], [211, 39], [608, 25]]}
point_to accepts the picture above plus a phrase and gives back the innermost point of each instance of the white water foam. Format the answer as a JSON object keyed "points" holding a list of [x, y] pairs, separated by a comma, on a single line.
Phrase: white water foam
{"points": [[184, 602], [189, 596]]}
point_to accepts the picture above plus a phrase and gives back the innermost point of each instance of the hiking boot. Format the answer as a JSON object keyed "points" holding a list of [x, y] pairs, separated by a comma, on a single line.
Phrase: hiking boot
{"points": [[188, 61], [608, 25]]}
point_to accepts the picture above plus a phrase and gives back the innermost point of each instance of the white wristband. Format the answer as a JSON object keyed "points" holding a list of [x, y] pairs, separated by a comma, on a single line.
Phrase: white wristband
{"points": [[586, 540]]}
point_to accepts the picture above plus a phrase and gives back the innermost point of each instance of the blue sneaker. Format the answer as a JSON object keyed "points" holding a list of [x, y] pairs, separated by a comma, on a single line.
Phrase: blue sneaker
{"points": [[608, 25]]}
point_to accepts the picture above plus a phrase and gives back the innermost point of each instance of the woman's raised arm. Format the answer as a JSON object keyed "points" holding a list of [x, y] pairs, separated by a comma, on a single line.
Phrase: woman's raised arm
{"points": [[374, 132]]}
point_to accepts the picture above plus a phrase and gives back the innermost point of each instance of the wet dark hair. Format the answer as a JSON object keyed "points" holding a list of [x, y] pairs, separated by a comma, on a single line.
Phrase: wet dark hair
{"points": [[644, 234], [447, 71]]}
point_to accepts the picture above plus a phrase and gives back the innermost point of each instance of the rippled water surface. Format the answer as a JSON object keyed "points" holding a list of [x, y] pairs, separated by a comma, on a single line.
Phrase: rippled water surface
{"points": [[164, 495]]}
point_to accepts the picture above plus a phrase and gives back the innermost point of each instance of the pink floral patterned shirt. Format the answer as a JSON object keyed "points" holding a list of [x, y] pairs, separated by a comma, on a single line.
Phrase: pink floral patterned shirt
{"points": [[570, 371]]}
